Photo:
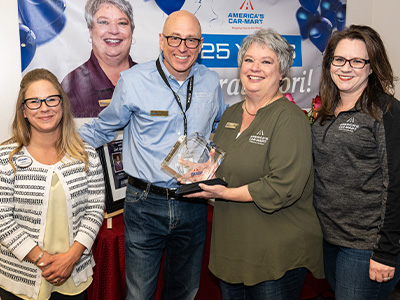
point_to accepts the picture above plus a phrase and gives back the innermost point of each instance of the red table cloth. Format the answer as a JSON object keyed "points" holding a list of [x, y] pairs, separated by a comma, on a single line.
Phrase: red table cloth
{"points": [[109, 272]]}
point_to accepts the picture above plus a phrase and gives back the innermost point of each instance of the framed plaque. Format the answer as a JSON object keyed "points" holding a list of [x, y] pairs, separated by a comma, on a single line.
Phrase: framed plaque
{"points": [[114, 176]]}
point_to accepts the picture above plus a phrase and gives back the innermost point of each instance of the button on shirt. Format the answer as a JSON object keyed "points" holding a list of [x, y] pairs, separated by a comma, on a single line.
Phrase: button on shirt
{"points": [[148, 137]]}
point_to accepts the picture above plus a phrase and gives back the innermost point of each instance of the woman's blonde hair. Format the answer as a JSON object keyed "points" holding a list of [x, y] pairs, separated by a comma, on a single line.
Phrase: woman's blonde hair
{"points": [[69, 141]]}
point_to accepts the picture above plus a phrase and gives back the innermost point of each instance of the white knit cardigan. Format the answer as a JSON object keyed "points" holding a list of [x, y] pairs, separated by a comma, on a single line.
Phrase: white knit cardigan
{"points": [[24, 197]]}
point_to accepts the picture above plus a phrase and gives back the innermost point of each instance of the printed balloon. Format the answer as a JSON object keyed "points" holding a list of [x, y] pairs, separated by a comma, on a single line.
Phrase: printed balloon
{"points": [[319, 32], [304, 19], [272, 2], [45, 18], [328, 10], [341, 17], [28, 45], [169, 6], [310, 5]]}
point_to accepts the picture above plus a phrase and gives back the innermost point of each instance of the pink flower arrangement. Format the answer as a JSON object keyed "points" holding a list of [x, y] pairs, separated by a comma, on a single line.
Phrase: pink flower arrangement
{"points": [[315, 106], [290, 97]]}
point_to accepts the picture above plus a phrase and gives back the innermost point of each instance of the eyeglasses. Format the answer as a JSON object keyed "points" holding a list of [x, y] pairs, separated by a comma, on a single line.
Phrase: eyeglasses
{"points": [[355, 63], [36, 103], [174, 41]]}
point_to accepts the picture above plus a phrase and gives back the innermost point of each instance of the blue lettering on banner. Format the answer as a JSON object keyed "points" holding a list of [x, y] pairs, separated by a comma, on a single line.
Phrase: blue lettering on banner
{"points": [[220, 50], [245, 18]]}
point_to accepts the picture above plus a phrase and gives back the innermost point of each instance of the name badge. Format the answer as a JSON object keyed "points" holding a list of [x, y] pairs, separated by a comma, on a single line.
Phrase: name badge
{"points": [[159, 113], [23, 161], [104, 102], [231, 125]]}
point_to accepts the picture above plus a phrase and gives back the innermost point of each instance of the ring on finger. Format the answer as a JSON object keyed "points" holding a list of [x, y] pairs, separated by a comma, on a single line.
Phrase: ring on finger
{"points": [[387, 278]]}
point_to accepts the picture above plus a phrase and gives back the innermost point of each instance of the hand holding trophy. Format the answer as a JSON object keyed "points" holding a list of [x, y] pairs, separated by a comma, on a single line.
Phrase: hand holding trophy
{"points": [[193, 160]]}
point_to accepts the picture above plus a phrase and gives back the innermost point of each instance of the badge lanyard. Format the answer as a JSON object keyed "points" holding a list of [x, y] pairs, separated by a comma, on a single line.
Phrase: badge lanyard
{"points": [[178, 100]]}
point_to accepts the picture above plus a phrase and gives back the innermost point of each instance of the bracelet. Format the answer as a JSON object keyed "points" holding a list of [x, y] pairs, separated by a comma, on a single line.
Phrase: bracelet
{"points": [[39, 257]]}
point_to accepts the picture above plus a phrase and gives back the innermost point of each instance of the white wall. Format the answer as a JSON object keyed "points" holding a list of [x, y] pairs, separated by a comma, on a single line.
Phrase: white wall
{"points": [[379, 14], [10, 65], [382, 15]]}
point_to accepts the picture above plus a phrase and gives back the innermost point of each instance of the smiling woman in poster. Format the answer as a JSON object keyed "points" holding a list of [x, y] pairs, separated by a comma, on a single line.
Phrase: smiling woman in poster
{"points": [[91, 85], [356, 143], [266, 233], [51, 197]]}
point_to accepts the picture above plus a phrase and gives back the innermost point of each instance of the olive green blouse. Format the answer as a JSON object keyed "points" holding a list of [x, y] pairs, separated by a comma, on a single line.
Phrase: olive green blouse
{"points": [[258, 241]]}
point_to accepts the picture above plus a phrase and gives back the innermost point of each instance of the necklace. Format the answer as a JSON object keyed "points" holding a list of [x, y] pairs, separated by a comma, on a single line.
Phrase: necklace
{"points": [[248, 111], [266, 103]]}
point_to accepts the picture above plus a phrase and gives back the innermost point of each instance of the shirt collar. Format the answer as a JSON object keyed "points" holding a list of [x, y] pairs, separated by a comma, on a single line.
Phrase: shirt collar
{"points": [[97, 76]]}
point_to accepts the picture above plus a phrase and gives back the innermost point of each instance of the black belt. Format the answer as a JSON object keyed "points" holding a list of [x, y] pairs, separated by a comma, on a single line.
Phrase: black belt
{"points": [[151, 188]]}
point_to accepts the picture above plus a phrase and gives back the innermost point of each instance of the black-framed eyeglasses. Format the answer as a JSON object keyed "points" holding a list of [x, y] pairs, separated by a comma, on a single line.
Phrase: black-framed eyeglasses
{"points": [[175, 41], [36, 103], [355, 63]]}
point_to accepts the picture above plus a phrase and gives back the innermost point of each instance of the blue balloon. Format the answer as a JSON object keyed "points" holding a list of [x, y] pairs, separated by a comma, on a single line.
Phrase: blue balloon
{"points": [[169, 6], [320, 32], [304, 19], [328, 10], [45, 18], [341, 17], [310, 5], [28, 45], [330, 5]]}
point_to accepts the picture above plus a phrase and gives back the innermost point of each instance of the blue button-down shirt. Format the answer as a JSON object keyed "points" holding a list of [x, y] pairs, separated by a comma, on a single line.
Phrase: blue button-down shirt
{"points": [[148, 138]]}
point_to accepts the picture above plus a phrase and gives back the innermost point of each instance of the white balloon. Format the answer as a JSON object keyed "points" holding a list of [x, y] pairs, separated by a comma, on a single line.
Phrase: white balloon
{"points": [[271, 2]]}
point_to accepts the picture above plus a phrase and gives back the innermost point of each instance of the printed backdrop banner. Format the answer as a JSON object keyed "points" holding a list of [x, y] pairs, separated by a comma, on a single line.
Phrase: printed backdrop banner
{"points": [[54, 35]]}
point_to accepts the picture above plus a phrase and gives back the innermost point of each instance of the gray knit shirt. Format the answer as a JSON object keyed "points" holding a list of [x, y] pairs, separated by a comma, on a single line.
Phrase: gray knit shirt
{"points": [[357, 181]]}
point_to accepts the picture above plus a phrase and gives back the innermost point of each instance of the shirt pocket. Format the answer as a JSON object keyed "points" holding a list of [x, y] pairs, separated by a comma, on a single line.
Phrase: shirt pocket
{"points": [[201, 116]]}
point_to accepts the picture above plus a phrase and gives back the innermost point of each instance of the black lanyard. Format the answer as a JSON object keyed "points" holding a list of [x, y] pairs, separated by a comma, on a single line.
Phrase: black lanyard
{"points": [[178, 100]]}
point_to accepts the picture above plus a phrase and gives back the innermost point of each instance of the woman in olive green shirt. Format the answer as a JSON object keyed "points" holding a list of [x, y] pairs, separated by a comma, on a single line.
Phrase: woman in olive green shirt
{"points": [[265, 232]]}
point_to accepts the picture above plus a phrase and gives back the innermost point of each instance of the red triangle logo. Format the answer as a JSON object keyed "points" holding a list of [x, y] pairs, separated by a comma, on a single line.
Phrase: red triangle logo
{"points": [[247, 5]]}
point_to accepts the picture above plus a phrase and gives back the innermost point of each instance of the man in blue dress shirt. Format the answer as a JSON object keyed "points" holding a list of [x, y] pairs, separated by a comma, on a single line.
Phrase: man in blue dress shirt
{"points": [[156, 103]]}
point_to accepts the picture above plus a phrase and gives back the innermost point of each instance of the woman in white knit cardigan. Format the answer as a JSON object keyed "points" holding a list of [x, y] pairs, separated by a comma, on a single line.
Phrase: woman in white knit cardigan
{"points": [[51, 197]]}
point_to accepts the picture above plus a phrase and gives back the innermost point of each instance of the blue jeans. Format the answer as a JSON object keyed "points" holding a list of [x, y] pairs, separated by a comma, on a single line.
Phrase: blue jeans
{"points": [[287, 287], [347, 271], [152, 224]]}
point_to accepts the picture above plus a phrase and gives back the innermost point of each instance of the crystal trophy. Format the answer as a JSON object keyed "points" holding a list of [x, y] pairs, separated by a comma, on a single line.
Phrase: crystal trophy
{"points": [[193, 160]]}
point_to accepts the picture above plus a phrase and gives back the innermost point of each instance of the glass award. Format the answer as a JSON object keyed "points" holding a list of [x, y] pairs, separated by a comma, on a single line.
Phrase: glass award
{"points": [[193, 160]]}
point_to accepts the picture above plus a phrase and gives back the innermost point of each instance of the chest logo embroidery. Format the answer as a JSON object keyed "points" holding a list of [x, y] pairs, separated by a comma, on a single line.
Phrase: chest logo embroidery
{"points": [[349, 125], [202, 94], [258, 138]]}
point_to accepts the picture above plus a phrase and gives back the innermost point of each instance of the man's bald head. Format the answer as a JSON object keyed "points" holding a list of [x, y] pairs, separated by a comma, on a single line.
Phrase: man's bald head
{"points": [[181, 16]]}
